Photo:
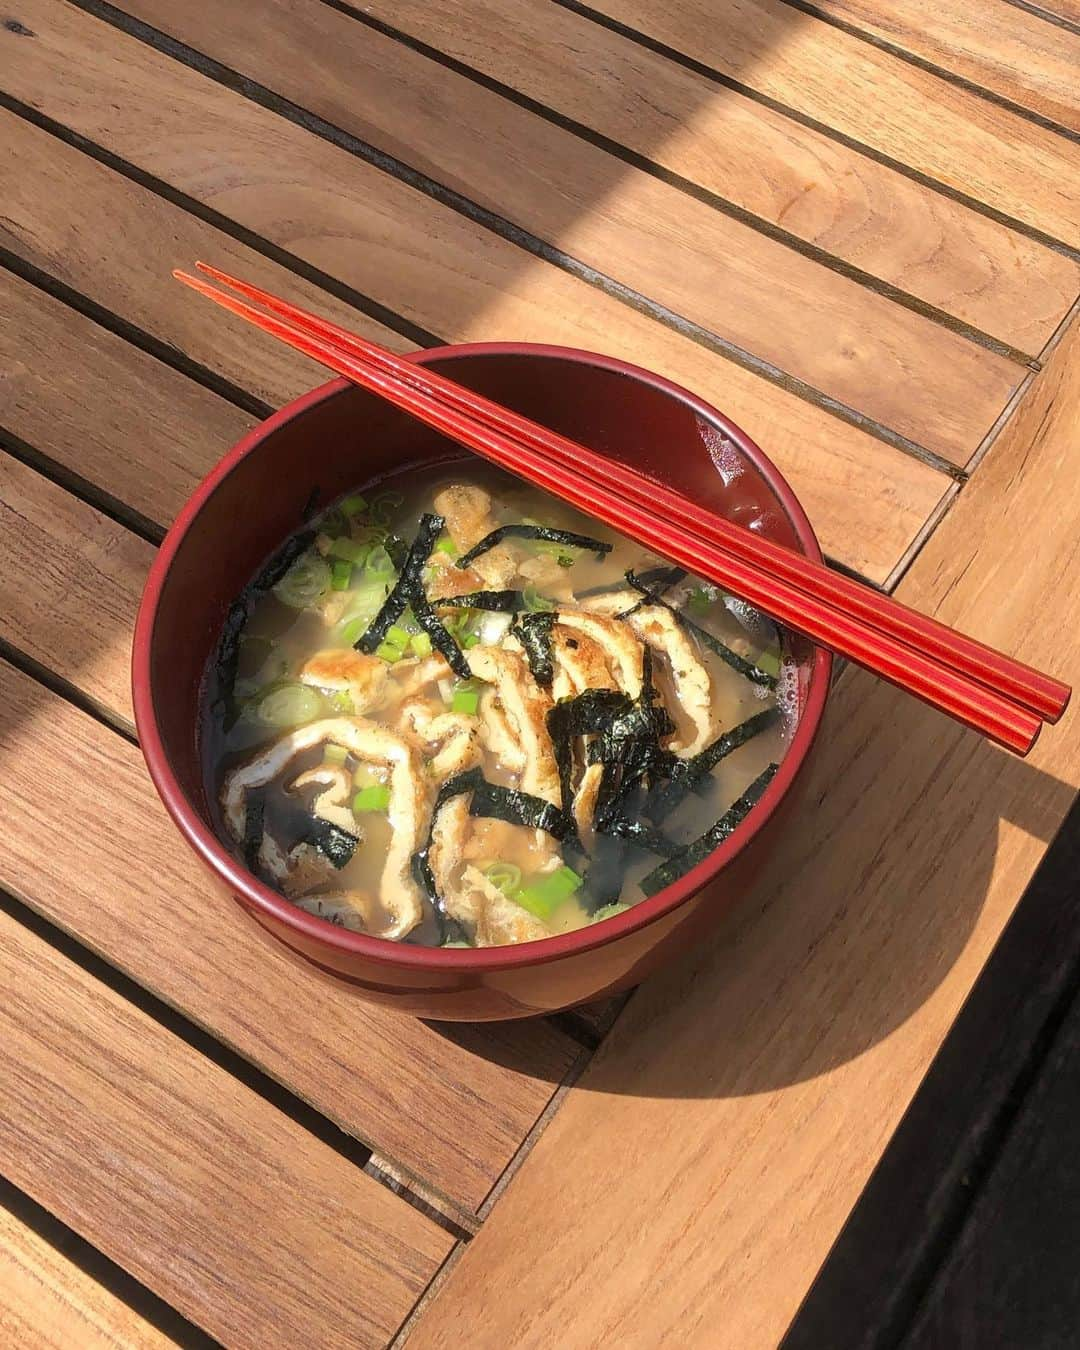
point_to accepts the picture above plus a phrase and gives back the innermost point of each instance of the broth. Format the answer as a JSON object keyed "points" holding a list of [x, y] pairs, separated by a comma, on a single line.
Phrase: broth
{"points": [[608, 720]]}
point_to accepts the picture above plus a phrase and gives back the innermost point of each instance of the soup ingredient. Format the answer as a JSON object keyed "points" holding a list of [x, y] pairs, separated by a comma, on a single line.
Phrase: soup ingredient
{"points": [[469, 726]]}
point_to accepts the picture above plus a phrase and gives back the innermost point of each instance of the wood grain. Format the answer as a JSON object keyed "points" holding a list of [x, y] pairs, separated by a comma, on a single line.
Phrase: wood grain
{"points": [[743, 1098], [48, 1303], [984, 151], [70, 580], [52, 195], [105, 410], [867, 500], [998, 46], [451, 1109], [207, 1194], [860, 211], [904, 370]]}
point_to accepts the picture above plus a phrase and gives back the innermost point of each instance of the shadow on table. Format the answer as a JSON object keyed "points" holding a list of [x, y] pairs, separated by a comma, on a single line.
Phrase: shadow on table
{"points": [[868, 904]]}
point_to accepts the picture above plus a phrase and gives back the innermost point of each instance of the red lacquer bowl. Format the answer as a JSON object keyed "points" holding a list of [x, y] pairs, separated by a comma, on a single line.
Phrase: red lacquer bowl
{"points": [[337, 438]]}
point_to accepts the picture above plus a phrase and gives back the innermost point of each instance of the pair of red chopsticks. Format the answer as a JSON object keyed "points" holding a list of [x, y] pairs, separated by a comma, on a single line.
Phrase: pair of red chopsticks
{"points": [[1004, 699]]}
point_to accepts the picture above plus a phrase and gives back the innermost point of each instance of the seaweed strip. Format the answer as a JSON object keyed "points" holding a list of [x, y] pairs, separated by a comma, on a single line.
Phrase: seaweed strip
{"points": [[495, 602], [409, 590], [713, 837], [733, 659], [534, 633], [334, 843], [254, 817], [280, 563], [685, 774], [227, 661], [545, 532], [589, 712], [397, 550]]}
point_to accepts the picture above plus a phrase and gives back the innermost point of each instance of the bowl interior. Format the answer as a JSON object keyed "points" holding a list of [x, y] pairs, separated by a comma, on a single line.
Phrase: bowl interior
{"points": [[340, 438]]}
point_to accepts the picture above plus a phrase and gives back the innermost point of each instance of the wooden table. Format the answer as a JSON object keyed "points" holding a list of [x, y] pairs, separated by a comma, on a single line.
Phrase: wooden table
{"points": [[853, 227]]}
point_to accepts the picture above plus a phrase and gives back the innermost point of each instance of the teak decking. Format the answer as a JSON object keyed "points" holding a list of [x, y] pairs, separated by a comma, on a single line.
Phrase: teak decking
{"points": [[852, 226]]}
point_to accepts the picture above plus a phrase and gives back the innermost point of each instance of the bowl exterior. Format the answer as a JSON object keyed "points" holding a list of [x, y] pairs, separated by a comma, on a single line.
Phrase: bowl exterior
{"points": [[255, 498]]}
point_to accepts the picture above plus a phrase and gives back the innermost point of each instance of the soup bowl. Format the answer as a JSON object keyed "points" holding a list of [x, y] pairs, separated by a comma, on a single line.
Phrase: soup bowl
{"points": [[339, 438]]}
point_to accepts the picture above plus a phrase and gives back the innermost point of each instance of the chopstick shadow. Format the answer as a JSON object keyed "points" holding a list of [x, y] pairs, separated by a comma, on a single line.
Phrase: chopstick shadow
{"points": [[872, 898]]}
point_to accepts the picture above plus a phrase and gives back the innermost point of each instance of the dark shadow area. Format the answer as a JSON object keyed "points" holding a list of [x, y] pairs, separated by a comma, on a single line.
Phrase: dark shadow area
{"points": [[920, 1228]]}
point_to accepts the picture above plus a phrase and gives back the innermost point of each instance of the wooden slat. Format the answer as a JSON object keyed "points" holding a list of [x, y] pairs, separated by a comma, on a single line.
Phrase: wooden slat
{"points": [[996, 45], [813, 187], [48, 1303], [52, 194], [207, 1194], [1061, 9], [906, 371], [77, 392], [70, 581], [743, 1098], [451, 1110], [867, 500], [980, 149]]}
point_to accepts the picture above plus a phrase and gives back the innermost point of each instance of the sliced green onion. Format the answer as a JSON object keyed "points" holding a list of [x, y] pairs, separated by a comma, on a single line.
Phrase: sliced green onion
{"points": [[351, 631], [379, 563], [342, 701], [608, 912], [534, 601], [444, 544], [397, 636], [465, 701], [769, 662], [504, 876], [373, 798], [341, 575], [335, 754], [306, 581], [543, 896], [384, 506], [420, 644], [365, 776], [470, 640], [290, 705], [389, 652], [352, 506], [352, 550]]}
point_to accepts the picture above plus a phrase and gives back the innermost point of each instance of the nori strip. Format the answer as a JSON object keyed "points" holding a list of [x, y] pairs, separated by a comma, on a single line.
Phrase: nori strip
{"points": [[227, 661], [280, 563], [713, 837], [587, 713], [534, 633], [254, 815], [733, 659], [686, 774], [409, 590], [397, 550], [545, 532], [495, 602], [336, 845]]}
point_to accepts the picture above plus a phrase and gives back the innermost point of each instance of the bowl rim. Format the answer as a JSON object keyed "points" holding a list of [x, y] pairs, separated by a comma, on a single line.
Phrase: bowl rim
{"points": [[254, 894]]}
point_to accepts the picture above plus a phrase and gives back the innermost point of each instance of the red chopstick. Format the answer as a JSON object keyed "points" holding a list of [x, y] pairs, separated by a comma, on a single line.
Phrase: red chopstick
{"points": [[955, 693], [1030, 688]]}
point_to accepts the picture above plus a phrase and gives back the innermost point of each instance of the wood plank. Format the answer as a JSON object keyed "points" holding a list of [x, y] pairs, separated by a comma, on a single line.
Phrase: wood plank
{"points": [[906, 371], [743, 1098], [51, 194], [201, 1189], [47, 1302], [996, 45], [70, 581], [77, 393], [452, 1110], [867, 500], [1011, 1277], [785, 173], [984, 151]]}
